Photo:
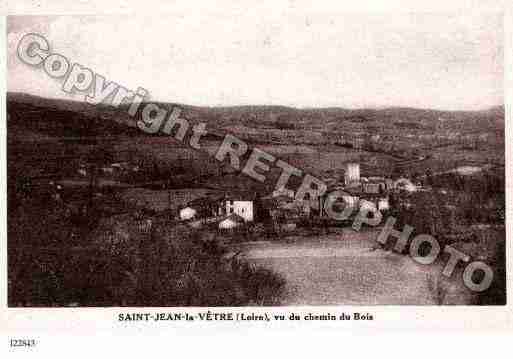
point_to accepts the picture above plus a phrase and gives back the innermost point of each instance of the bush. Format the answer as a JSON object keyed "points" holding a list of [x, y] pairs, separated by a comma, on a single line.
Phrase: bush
{"points": [[179, 268]]}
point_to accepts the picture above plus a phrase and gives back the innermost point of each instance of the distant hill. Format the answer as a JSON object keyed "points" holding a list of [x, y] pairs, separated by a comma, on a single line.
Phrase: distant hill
{"points": [[61, 118], [57, 117]]}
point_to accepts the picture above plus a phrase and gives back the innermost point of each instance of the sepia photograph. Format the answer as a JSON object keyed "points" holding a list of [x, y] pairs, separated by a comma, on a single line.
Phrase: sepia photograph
{"points": [[201, 159]]}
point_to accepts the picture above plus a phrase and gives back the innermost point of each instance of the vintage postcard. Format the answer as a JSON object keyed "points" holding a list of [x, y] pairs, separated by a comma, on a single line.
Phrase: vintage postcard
{"points": [[222, 166]]}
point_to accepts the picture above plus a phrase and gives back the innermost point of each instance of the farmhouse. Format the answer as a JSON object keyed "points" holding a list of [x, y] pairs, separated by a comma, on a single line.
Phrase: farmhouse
{"points": [[240, 205]]}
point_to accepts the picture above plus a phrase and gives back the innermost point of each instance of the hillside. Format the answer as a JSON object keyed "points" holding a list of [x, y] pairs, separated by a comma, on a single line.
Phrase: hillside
{"points": [[61, 116], [318, 140]]}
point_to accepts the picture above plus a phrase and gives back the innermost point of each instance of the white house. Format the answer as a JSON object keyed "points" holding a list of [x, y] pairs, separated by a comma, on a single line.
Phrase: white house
{"points": [[187, 213], [244, 209]]}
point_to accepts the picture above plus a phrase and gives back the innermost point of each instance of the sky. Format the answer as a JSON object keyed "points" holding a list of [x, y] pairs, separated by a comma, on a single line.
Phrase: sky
{"points": [[291, 58]]}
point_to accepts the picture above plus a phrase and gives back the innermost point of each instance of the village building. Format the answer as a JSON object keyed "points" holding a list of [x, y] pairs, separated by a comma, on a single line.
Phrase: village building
{"points": [[82, 170], [213, 207], [405, 184], [231, 221], [283, 192], [383, 204], [108, 170], [187, 213], [352, 174], [205, 207], [351, 200], [238, 204], [359, 191], [373, 188]]}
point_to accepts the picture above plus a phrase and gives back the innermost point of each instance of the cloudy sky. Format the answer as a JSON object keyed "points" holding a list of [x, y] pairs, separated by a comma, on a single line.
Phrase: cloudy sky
{"points": [[289, 58]]}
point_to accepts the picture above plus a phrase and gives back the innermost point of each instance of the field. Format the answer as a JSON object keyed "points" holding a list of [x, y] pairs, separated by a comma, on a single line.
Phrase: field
{"points": [[164, 199], [308, 138], [346, 269]]}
